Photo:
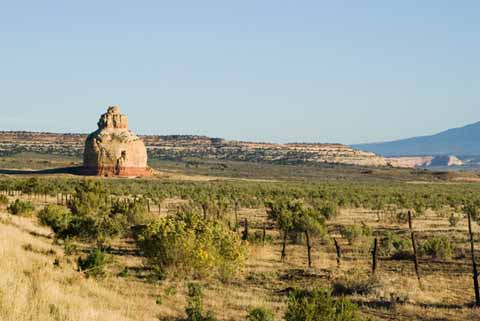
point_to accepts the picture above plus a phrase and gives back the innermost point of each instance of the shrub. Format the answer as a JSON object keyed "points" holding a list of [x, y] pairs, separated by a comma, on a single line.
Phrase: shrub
{"points": [[135, 213], [439, 247], [327, 209], [395, 246], [4, 200], [257, 238], [352, 233], [194, 308], [93, 216], [260, 314], [319, 305], [69, 248], [93, 264], [354, 282], [454, 220], [58, 218], [20, 207], [329, 212], [187, 245], [401, 218]]}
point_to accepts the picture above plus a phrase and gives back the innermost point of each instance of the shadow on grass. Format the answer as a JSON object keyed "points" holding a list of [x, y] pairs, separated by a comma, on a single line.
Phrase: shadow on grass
{"points": [[388, 305], [50, 171]]}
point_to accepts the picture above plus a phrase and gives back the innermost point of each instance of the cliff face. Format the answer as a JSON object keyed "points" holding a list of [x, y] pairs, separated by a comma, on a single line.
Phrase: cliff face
{"points": [[177, 147], [113, 150]]}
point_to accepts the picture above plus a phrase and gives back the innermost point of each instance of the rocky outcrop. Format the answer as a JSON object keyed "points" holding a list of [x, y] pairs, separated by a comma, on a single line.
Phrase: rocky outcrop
{"points": [[426, 161], [409, 162], [443, 161], [113, 150]]}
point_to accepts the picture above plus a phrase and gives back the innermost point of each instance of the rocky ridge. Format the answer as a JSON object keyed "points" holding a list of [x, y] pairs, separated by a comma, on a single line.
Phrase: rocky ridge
{"points": [[177, 147]]}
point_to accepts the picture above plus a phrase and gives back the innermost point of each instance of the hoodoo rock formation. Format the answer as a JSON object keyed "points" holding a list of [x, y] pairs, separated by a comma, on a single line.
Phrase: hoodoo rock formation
{"points": [[113, 150]]}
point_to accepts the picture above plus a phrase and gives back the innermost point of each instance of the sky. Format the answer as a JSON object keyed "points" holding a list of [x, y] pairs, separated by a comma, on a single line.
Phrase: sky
{"points": [[263, 70]]}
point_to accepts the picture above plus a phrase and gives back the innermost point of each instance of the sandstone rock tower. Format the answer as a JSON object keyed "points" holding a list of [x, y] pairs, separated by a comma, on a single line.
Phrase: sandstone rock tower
{"points": [[113, 150]]}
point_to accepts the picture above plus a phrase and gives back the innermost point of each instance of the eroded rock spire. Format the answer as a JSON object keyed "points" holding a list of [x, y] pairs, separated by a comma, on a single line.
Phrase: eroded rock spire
{"points": [[113, 150]]}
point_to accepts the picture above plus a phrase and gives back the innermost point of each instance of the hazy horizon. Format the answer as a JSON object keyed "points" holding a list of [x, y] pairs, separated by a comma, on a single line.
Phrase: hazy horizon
{"points": [[303, 71]]}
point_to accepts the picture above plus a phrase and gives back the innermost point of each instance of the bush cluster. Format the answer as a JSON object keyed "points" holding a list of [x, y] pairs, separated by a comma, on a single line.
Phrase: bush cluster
{"points": [[353, 233], [4, 200], [195, 309], [20, 207], [319, 305], [260, 314], [354, 282], [438, 247], [58, 218], [395, 246], [92, 215], [187, 245], [94, 264], [454, 220]]}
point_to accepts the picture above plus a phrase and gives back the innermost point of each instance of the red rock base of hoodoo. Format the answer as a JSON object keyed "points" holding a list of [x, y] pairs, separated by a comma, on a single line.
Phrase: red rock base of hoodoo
{"points": [[112, 172]]}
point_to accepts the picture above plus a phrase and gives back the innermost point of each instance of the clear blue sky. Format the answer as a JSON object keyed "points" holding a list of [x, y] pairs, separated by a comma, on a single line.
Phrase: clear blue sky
{"points": [[317, 71]]}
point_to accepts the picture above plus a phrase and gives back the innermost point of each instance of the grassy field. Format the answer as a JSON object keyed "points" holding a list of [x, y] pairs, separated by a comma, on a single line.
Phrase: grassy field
{"points": [[190, 169], [40, 281], [32, 287]]}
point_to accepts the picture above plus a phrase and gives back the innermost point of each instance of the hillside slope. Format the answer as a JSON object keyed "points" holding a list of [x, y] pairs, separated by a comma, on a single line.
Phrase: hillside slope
{"points": [[32, 288], [464, 141]]}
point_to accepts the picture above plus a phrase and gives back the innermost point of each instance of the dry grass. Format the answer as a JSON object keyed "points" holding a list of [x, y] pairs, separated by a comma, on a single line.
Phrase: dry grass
{"points": [[31, 288]]}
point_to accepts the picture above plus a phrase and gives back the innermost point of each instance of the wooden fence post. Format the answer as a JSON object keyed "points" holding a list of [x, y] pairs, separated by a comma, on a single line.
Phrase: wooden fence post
{"points": [[264, 236], [474, 263], [414, 246], [309, 249], [245, 231], [284, 245], [339, 252], [374, 256]]}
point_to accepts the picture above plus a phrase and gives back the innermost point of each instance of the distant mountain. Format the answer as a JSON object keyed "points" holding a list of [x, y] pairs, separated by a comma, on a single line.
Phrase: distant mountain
{"points": [[464, 141]]}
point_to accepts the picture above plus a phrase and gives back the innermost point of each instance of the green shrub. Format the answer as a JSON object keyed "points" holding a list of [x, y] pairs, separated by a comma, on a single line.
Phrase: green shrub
{"points": [[454, 220], [20, 207], [260, 314], [194, 308], [93, 216], [69, 248], [319, 305], [257, 238], [401, 218], [94, 264], [58, 218], [4, 200], [395, 246], [353, 233], [472, 208], [354, 282], [439, 247], [329, 211], [187, 245]]}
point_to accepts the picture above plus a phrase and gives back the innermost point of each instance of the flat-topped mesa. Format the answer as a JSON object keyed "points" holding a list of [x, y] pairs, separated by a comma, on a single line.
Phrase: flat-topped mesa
{"points": [[113, 150]]}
